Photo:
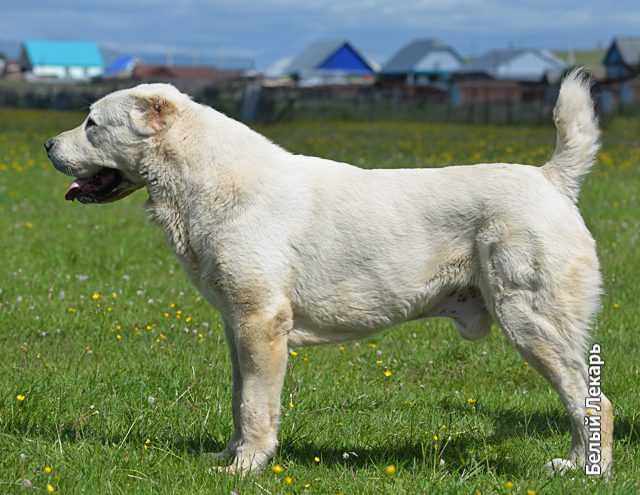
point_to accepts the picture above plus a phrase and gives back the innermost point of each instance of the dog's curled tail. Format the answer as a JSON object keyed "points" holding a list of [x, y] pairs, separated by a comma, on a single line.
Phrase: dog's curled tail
{"points": [[577, 140]]}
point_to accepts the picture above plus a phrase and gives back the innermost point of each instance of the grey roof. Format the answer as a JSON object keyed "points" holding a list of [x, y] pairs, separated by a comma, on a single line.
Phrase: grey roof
{"points": [[408, 56], [491, 62], [629, 49]]}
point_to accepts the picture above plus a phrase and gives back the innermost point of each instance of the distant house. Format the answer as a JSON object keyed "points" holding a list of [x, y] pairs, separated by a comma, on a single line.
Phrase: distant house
{"points": [[622, 59], [421, 62], [187, 78], [74, 60], [3, 64], [120, 68], [522, 64], [12, 70], [330, 62]]}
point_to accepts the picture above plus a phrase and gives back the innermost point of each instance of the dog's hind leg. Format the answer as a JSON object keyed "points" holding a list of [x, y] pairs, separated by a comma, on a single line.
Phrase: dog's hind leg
{"points": [[550, 329]]}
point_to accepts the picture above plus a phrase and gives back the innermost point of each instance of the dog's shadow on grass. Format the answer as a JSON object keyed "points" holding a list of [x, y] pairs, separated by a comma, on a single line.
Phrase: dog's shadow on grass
{"points": [[460, 453]]}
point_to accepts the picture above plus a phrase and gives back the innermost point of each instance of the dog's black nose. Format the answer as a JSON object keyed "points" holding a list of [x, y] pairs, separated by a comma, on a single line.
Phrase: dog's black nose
{"points": [[49, 144]]}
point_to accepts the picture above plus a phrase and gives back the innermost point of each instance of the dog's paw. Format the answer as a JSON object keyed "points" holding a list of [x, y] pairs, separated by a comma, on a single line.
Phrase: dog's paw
{"points": [[232, 469], [559, 466], [242, 465]]}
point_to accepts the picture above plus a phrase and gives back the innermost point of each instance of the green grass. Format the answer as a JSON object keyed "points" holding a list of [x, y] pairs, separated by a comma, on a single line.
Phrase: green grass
{"points": [[123, 394]]}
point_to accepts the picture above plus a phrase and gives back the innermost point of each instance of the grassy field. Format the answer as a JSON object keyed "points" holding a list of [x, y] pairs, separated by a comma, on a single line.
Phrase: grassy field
{"points": [[115, 376]]}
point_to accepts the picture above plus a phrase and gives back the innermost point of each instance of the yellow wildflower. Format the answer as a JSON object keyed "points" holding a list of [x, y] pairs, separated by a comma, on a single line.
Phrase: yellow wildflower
{"points": [[508, 485], [96, 296], [277, 468], [390, 469], [531, 492], [316, 459], [50, 488], [472, 402], [388, 373], [288, 480], [293, 354], [20, 397], [48, 469], [616, 306]]}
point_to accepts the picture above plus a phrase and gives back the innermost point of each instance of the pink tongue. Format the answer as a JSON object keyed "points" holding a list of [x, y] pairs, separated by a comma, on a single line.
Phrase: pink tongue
{"points": [[89, 185], [73, 190]]}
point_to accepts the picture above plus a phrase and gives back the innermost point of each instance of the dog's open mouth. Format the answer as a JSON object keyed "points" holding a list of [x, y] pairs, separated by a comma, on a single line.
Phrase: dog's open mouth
{"points": [[105, 186]]}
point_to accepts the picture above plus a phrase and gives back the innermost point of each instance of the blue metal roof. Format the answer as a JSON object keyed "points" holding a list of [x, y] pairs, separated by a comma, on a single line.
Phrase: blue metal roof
{"points": [[346, 59], [47, 52], [123, 63]]}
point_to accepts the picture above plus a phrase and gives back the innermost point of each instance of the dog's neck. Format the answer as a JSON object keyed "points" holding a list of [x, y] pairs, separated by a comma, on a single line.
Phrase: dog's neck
{"points": [[217, 165], [165, 206]]}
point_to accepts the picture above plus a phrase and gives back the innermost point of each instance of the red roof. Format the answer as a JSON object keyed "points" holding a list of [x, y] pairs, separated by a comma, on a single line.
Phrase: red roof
{"points": [[193, 72]]}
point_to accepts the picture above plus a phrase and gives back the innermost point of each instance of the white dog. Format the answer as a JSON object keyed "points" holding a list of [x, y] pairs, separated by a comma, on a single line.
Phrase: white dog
{"points": [[296, 250]]}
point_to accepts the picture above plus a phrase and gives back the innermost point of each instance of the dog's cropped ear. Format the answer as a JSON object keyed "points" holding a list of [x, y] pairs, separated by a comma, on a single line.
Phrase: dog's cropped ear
{"points": [[153, 114]]}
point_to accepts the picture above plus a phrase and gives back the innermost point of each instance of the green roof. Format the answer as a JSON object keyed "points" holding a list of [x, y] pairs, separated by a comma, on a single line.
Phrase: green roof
{"points": [[65, 53], [590, 57]]}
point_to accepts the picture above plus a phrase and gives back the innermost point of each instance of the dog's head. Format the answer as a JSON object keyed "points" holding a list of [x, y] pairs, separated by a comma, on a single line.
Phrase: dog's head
{"points": [[104, 153]]}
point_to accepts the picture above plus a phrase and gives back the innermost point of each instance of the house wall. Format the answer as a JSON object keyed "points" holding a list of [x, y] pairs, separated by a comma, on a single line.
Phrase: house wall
{"points": [[49, 71], [93, 71], [526, 67], [437, 62], [66, 72]]}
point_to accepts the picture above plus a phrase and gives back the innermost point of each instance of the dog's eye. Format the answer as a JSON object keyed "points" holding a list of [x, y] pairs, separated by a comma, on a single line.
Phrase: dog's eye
{"points": [[90, 123]]}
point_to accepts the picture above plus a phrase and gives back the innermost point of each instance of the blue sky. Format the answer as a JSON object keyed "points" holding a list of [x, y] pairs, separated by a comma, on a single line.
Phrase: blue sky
{"points": [[268, 30]]}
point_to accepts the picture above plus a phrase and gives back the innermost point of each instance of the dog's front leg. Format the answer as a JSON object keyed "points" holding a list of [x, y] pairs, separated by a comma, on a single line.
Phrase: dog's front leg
{"points": [[260, 344], [229, 451]]}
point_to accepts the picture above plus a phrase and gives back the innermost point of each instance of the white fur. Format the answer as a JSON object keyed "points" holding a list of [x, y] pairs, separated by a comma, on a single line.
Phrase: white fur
{"points": [[296, 250]]}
